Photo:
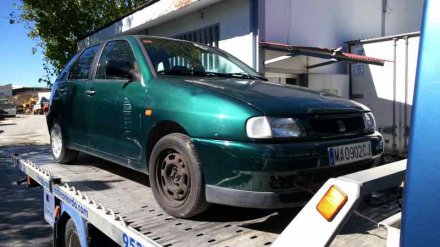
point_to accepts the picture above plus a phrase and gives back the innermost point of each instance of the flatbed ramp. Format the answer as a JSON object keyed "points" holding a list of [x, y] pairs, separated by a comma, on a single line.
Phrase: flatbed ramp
{"points": [[126, 194]]}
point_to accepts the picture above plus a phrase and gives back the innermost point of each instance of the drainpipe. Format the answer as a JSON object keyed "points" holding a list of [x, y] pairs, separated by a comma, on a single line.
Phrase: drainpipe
{"points": [[253, 6], [350, 79], [393, 132], [384, 11], [406, 129]]}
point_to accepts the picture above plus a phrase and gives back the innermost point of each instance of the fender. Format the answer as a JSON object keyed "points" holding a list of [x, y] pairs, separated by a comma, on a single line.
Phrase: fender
{"points": [[80, 223]]}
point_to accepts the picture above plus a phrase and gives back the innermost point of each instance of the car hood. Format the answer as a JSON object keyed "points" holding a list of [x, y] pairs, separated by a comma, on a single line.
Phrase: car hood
{"points": [[277, 99]]}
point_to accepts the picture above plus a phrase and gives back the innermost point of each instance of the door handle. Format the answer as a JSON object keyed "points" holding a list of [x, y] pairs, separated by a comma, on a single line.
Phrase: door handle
{"points": [[90, 92], [61, 90]]}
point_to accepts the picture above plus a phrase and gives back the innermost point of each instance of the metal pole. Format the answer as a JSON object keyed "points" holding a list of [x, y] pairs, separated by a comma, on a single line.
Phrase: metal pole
{"points": [[393, 132], [406, 129], [350, 77], [384, 11]]}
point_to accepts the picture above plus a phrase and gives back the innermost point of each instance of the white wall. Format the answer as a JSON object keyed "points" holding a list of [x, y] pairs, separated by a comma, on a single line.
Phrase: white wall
{"points": [[331, 83], [234, 20], [331, 23], [403, 16], [374, 85]]}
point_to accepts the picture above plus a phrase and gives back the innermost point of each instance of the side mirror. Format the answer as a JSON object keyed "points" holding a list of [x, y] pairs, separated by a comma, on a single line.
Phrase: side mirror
{"points": [[122, 69], [118, 69]]}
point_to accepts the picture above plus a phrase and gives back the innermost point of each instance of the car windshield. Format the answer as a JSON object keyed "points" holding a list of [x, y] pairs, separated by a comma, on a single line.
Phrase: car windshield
{"points": [[172, 57]]}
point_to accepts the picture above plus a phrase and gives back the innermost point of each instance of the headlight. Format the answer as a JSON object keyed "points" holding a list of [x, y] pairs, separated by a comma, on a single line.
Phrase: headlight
{"points": [[266, 127], [369, 123]]}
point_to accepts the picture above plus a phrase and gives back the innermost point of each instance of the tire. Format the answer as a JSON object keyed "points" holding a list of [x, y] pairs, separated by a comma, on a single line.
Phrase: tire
{"points": [[71, 236], [176, 177], [60, 152]]}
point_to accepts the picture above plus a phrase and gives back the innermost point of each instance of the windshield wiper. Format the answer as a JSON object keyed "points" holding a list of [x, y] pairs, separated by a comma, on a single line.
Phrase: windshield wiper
{"points": [[209, 74], [246, 76], [241, 75], [187, 72], [175, 72]]}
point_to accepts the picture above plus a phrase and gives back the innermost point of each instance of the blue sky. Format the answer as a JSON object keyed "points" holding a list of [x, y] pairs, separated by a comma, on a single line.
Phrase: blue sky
{"points": [[17, 63]]}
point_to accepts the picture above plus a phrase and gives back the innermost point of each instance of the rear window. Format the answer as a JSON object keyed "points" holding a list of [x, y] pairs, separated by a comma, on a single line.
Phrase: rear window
{"points": [[63, 74], [81, 69]]}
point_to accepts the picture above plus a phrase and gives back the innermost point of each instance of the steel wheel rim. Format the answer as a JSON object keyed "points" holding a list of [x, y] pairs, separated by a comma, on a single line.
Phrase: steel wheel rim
{"points": [[56, 140], [173, 178], [74, 240]]}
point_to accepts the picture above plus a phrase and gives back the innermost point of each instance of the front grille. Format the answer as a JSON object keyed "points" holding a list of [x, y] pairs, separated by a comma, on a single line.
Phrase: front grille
{"points": [[336, 125]]}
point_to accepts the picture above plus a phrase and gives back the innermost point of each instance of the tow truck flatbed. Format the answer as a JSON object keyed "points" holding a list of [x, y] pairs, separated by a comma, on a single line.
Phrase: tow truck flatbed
{"points": [[126, 209]]}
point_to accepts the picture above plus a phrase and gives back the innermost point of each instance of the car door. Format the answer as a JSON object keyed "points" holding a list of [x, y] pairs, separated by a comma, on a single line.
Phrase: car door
{"points": [[76, 105], [114, 121]]}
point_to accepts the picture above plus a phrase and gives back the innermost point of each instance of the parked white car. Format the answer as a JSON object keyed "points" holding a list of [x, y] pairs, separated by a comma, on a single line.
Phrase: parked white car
{"points": [[7, 108]]}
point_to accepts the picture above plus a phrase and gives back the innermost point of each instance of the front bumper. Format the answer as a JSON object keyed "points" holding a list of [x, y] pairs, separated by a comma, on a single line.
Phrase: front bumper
{"points": [[237, 173], [299, 188]]}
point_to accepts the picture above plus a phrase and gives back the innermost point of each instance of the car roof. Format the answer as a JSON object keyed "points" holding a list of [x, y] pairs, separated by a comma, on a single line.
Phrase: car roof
{"points": [[137, 37]]}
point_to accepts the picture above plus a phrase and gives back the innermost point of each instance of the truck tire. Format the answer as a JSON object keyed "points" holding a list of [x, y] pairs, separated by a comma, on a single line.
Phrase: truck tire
{"points": [[71, 237], [176, 177], [60, 152]]}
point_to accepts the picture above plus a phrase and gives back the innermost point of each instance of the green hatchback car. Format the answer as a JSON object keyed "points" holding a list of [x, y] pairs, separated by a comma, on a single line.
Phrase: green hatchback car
{"points": [[204, 126]]}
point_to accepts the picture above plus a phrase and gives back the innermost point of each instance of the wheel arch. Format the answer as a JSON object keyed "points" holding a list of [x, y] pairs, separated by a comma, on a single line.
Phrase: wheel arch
{"points": [[160, 130], [61, 228], [50, 118], [80, 224]]}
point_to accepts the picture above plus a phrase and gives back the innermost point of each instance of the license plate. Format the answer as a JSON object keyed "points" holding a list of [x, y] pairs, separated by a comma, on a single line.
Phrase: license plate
{"points": [[345, 154]]}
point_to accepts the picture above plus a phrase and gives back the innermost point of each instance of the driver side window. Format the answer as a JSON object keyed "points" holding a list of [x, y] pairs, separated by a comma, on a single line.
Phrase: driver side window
{"points": [[118, 50]]}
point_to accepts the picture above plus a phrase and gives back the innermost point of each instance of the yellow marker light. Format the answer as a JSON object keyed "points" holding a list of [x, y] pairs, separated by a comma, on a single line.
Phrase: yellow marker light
{"points": [[333, 200], [148, 112]]}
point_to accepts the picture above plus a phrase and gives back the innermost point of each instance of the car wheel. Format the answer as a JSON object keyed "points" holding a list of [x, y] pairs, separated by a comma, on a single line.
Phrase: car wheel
{"points": [[176, 177], [71, 237], [60, 152]]}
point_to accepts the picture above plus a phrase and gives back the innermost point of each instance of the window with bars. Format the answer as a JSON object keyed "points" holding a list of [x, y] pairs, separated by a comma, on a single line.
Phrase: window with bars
{"points": [[209, 36]]}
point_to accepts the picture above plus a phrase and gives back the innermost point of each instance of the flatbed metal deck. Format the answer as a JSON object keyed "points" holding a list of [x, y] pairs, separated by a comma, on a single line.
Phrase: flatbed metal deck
{"points": [[127, 194]]}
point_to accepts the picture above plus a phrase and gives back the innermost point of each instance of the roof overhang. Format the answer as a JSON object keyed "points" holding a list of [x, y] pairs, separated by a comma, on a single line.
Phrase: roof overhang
{"points": [[332, 55], [151, 14]]}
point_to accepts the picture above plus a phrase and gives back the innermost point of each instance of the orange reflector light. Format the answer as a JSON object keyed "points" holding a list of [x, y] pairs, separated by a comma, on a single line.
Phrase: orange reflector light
{"points": [[333, 200], [148, 112]]}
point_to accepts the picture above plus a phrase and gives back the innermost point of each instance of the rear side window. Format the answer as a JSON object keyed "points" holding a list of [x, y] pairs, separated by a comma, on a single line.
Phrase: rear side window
{"points": [[81, 68], [118, 50], [67, 68]]}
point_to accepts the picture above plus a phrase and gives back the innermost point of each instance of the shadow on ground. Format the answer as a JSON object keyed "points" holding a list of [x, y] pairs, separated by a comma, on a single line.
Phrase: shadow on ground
{"points": [[5, 124], [21, 210]]}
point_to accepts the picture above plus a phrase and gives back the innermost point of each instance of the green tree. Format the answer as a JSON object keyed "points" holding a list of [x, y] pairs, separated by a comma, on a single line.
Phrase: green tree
{"points": [[57, 25]]}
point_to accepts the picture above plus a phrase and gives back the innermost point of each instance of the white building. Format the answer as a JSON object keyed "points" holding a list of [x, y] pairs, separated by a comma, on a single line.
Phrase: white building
{"points": [[238, 26], [6, 91]]}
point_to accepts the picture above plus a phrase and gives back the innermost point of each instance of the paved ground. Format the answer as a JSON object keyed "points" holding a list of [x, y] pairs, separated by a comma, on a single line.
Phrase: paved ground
{"points": [[21, 216], [21, 209], [23, 130]]}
